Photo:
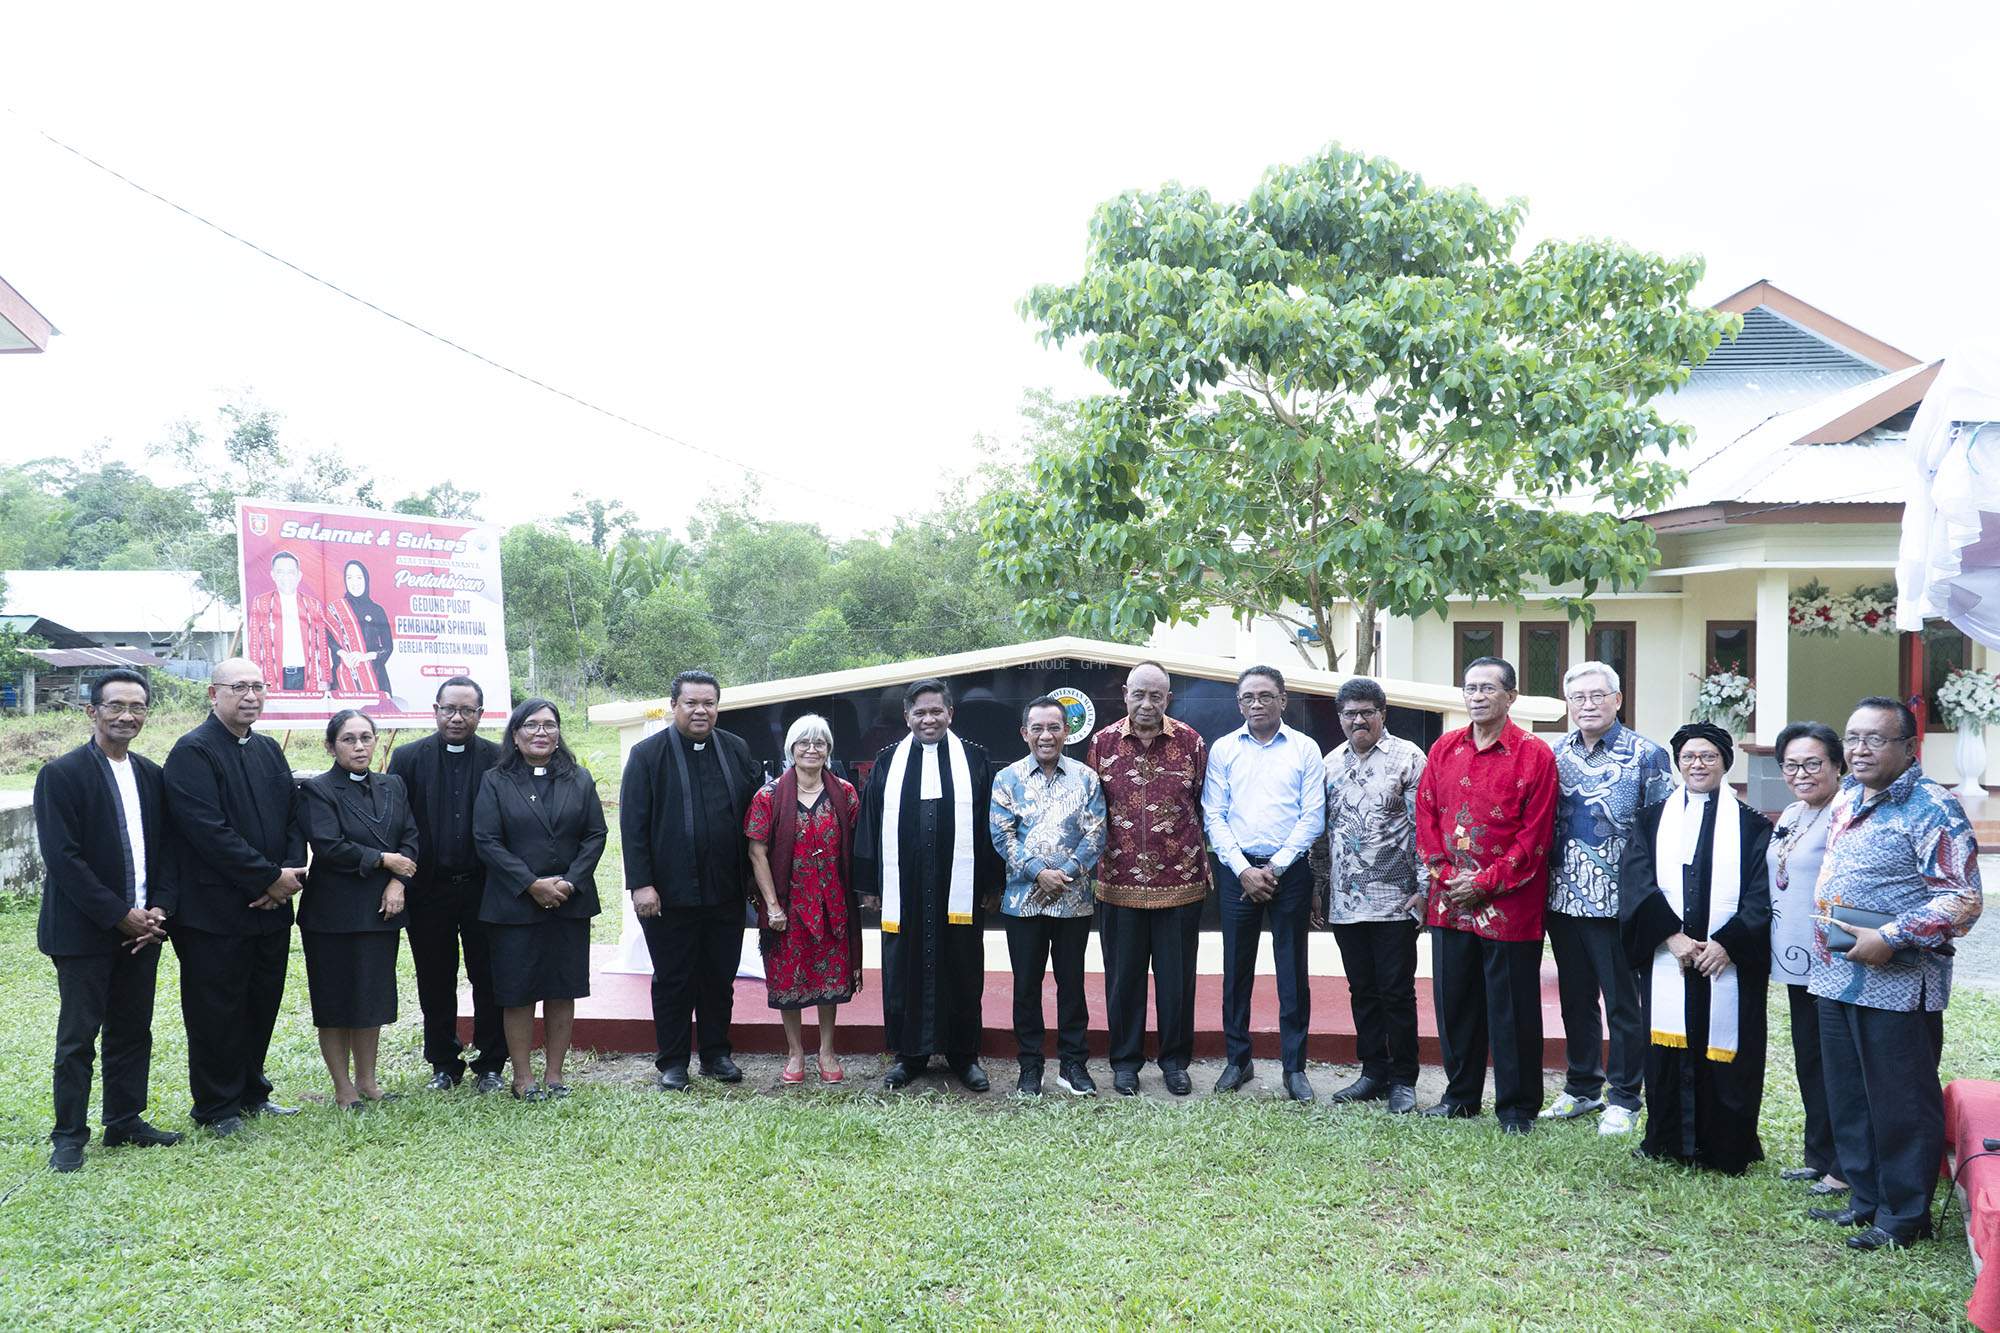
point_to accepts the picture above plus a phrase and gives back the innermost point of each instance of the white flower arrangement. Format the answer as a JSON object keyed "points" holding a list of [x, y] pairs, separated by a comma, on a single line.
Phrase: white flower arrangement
{"points": [[1818, 611], [1726, 699], [1970, 696]]}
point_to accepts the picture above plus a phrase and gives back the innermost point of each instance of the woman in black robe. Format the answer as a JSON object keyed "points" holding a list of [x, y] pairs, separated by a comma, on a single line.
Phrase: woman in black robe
{"points": [[1702, 1098]]}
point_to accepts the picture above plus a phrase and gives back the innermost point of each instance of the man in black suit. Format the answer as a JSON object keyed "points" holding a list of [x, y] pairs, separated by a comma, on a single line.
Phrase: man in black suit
{"points": [[442, 773], [235, 808], [104, 910], [680, 810]]}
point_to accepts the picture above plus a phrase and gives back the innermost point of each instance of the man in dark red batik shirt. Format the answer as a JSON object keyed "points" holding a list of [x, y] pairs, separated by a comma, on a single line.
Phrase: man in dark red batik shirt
{"points": [[1485, 823]]}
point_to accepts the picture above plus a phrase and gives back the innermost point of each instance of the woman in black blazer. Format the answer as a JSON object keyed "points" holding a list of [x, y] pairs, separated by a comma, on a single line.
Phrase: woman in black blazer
{"points": [[539, 827], [364, 849]]}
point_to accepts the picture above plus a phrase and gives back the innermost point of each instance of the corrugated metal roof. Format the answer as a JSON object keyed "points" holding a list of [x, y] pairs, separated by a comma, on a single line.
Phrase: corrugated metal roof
{"points": [[100, 601], [94, 657]]}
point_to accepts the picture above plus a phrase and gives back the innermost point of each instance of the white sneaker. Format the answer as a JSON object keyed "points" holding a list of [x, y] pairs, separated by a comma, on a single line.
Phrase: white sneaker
{"points": [[1617, 1120], [1567, 1107]]}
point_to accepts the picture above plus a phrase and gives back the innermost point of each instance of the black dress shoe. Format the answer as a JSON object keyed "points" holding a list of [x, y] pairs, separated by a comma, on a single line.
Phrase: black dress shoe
{"points": [[66, 1157], [1450, 1111], [1029, 1084], [902, 1074], [1298, 1087], [490, 1081], [1841, 1217], [1234, 1077], [267, 1107], [1875, 1238], [223, 1128], [974, 1078], [1125, 1082], [1402, 1099], [141, 1135], [1517, 1126], [1177, 1081], [722, 1069], [1363, 1089], [674, 1078], [442, 1081]]}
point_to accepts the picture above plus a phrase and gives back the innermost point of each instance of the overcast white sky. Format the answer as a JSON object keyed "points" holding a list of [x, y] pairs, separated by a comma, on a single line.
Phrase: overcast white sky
{"points": [[796, 236]]}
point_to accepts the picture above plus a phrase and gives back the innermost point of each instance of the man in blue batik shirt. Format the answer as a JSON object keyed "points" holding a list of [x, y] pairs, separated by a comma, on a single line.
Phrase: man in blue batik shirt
{"points": [[1608, 773]]}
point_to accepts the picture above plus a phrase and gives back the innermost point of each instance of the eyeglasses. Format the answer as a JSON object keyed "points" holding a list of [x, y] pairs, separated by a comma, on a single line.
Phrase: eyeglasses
{"points": [[1801, 768], [1870, 742], [540, 728], [1258, 700], [120, 710], [1700, 760], [1484, 688], [243, 686], [1590, 700], [1360, 714], [811, 745], [457, 710]]}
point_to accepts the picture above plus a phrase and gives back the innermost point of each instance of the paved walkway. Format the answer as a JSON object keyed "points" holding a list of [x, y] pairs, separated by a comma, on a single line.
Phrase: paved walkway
{"points": [[1978, 962]]}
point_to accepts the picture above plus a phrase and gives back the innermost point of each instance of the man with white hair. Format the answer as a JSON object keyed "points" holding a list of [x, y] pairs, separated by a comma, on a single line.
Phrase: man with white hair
{"points": [[1607, 773]]}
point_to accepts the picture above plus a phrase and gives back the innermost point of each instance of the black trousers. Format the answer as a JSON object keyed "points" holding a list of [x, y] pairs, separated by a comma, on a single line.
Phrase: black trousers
{"points": [[231, 987], [695, 951], [444, 915], [110, 993], [1489, 988], [1821, 1155], [1031, 941], [1168, 939], [1380, 959], [1888, 1108], [1242, 920], [1591, 963]]}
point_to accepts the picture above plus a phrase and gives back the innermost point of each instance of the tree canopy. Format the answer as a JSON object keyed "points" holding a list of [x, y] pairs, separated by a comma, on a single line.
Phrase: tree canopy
{"points": [[1351, 388]]}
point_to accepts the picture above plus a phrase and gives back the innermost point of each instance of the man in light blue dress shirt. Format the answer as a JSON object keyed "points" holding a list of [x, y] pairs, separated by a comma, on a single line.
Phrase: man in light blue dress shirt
{"points": [[1263, 805]]}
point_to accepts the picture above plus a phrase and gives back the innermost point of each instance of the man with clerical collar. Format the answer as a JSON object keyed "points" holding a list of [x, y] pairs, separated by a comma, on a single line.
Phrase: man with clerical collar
{"points": [[1485, 820], [235, 808], [925, 859], [1048, 825], [687, 863], [105, 903], [1153, 879], [1264, 804], [442, 773], [1606, 774], [1375, 891]]}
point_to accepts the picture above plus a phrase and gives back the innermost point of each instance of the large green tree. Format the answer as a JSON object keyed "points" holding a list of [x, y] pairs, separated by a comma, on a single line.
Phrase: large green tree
{"points": [[1348, 387], [556, 590]]}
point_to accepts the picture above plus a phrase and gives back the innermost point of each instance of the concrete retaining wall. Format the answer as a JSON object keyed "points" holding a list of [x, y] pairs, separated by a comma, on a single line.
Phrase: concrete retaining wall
{"points": [[20, 855]]}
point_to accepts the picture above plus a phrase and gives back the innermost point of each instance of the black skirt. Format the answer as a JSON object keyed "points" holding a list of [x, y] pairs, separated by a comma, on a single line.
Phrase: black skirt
{"points": [[351, 977], [543, 960]]}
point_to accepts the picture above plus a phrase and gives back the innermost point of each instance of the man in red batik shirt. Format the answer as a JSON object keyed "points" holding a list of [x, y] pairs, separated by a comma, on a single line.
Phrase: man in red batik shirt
{"points": [[1485, 823]]}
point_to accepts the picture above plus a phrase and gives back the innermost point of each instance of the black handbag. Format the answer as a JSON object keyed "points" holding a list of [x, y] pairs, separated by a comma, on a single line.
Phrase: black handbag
{"points": [[1840, 941]]}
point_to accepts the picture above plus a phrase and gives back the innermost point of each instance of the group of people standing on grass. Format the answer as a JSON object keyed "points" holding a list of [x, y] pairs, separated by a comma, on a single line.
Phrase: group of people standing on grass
{"points": [[1663, 897]]}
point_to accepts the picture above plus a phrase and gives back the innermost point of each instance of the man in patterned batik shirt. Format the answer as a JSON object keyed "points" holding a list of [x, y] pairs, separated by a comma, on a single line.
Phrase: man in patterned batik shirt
{"points": [[1899, 848], [1607, 773], [1047, 823], [1375, 891]]}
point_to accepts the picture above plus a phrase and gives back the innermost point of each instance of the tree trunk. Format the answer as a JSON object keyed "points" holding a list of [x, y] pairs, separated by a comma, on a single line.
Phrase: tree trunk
{"points": [[1365, 616]]}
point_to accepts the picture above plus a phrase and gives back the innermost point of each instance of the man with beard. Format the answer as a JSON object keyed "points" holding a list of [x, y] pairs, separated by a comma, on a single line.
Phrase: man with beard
{"points": [[926, 860], [442, 773], [235, 809]]}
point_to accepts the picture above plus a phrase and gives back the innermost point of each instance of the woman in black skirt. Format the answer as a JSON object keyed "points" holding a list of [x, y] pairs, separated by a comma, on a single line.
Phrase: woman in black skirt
{"points": [[539, 828], [364, 849]]}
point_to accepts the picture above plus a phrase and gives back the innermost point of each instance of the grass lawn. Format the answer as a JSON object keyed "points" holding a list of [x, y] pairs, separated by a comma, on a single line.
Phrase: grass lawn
{"points": [[624, 1208]]}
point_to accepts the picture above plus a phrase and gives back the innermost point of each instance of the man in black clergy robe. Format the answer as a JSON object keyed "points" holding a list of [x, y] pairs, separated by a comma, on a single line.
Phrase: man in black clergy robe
{"points": [[680, 813], [934, 905], [442, 773], [234, 807], [105, 903]]}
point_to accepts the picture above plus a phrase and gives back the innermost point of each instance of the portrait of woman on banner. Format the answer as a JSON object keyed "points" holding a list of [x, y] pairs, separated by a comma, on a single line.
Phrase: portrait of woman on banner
{"points": [[358, 633]]}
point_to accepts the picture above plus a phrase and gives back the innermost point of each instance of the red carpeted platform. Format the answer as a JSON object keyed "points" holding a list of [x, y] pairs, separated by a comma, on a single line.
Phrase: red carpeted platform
{"points": [[1971, 1116], [618, 1016]]}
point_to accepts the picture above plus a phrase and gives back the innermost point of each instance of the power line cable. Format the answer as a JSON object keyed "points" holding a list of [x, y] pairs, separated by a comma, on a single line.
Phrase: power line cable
{"points": [[812, 489]]}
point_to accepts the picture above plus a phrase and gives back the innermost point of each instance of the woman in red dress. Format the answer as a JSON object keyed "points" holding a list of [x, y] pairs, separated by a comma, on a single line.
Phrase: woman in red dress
{"points": [[801, 831]]}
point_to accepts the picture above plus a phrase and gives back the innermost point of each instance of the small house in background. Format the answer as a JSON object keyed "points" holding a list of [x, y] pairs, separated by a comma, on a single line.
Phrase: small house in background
{"points": [[163, 613], [22, 327]]}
